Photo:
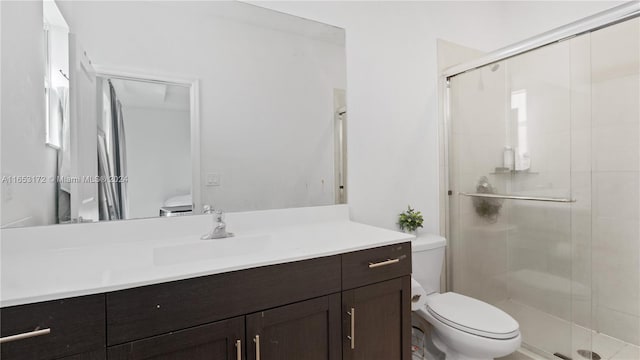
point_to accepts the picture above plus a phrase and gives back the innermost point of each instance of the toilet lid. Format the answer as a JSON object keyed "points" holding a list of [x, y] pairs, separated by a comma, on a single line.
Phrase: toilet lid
{"points": [[472, 316]]}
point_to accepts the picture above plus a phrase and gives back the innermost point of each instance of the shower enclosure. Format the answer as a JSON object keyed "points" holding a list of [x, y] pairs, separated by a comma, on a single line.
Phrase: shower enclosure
{"points": [[544, 207]]}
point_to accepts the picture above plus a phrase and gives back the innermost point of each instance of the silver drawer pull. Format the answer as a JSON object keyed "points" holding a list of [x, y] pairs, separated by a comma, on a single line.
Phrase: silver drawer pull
{"points": [[256, 340], [352, 337], [238, 350], [26, 335], [384, 263]]}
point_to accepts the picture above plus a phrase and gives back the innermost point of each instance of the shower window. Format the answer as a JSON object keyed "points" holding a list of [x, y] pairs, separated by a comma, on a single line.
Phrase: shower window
{"points": [[50, 138], [56, 70], [519, 107]]}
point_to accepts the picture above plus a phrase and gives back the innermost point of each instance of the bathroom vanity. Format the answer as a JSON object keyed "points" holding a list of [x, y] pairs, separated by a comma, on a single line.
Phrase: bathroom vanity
{"points": [[340, 292]]}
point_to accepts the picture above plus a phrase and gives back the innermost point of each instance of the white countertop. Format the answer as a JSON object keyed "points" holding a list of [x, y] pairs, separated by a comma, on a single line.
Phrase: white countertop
{"points": [[64, 266]]}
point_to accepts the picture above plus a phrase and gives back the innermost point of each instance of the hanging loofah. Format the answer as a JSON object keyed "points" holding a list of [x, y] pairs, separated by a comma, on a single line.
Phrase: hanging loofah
{"points": [[488, 209]]}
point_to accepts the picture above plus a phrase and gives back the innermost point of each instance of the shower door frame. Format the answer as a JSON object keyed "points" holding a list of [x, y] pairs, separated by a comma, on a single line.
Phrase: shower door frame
{"points": [[617, 14]]}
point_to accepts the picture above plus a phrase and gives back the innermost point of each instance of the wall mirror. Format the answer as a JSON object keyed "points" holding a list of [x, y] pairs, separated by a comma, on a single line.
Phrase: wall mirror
{"points": [[135, 109]]}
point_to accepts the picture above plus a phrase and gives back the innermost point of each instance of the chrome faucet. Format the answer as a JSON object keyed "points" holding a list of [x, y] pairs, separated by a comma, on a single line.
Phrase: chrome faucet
{"points": [[219, 226]]}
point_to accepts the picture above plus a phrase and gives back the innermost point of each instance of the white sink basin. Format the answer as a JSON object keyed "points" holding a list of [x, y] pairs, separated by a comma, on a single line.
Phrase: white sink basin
{"points": [[206, 250]]}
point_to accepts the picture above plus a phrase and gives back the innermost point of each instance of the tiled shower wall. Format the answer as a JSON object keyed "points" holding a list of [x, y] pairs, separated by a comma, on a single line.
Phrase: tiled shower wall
{"points": [[615, 105]]}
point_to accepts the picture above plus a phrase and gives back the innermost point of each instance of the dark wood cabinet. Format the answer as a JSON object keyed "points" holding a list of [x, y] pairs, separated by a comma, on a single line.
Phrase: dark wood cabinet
{"points": [[371, 266], [138, 313], [223, 340], [72, 327], [353, 306], [308, 330], [92, 355], [377, 321]]}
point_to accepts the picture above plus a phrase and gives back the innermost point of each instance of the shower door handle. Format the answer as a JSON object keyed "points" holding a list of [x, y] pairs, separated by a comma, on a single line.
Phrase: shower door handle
{"points": [[518, 197]]}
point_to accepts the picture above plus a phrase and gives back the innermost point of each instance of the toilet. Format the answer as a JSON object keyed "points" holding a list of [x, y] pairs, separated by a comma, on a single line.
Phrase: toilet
{"points": [[463, 328]]}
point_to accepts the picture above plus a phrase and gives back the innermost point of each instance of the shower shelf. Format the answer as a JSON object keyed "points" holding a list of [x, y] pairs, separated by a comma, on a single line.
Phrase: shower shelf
{"points": [[513, 172]]}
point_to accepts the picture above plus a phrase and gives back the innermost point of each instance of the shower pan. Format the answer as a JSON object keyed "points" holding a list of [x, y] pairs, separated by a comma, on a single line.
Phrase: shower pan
{"points": [[543, 157]]}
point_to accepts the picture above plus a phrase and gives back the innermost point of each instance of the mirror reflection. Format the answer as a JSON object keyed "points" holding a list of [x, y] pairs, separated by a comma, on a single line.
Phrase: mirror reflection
{"points": [[159, 108], [126, 152]]}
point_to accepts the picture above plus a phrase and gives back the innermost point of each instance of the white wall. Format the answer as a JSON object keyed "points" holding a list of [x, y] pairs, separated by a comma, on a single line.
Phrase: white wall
{"points": [[266, 94], [23, 117], [392, 94], [158, 157], [525, 19]]}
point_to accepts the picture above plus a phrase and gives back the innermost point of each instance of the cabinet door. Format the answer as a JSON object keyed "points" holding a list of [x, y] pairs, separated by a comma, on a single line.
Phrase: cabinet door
{"points": [[308, 330], [53, 329], [377, 321], [223, 340]]}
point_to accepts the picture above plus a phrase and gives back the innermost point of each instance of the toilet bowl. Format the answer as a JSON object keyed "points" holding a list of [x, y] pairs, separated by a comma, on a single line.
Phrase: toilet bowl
{"points": [[462, 328]]}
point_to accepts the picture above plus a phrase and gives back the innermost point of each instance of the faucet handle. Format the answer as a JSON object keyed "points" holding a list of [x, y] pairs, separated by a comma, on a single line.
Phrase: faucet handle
{"points": [[207, 209]]}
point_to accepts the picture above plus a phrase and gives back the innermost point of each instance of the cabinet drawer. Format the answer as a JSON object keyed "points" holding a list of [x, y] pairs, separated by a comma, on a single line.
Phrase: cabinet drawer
{"points": [[65, 327], [375, 265], [217, 341], [94, 355], [157, 309]]}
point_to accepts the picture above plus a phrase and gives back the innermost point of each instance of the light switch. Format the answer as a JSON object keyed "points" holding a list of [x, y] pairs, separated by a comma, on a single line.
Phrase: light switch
{"points": [[8, 192], [213, 179], [7, 188]]}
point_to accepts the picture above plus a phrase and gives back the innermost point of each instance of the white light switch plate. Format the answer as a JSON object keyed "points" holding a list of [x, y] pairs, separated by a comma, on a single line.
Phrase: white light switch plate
{"points": [[213, 180], [7, 189]]}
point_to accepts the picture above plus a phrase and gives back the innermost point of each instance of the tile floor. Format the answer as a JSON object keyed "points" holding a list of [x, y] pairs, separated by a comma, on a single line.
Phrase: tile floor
{"points": [[626, 352], [534, 325]]}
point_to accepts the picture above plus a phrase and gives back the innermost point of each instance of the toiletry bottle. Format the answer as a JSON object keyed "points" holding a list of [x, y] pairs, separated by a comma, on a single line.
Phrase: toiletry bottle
{"points": [[508, 160]]}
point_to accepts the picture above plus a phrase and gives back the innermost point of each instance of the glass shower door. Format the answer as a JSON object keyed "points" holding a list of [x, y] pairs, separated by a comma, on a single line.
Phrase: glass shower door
{"points": [[513, 178]]}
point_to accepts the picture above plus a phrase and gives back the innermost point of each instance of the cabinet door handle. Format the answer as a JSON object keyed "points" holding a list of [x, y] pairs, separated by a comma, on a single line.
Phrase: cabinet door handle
{"points": [[384, 263], [26, 335], [257, 341], [352, 337], [238, 350]]}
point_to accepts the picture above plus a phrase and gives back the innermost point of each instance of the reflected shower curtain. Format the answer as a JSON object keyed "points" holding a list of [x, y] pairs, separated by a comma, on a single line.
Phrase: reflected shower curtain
{"points": [[112, 163]]}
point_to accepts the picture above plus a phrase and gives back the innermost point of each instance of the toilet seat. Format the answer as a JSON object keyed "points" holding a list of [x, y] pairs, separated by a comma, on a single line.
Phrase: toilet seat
{"points": [[472, 316]]}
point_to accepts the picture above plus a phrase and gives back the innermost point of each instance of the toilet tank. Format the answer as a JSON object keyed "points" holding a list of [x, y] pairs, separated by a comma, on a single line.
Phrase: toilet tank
{"points": [[427, 256]]}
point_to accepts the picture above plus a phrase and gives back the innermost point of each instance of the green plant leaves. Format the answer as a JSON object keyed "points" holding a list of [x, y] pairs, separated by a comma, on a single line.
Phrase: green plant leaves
{"points": [[410, 220]]}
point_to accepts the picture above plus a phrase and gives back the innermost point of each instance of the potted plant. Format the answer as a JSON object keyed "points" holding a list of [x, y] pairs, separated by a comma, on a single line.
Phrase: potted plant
{"points": [[410, 220]]}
